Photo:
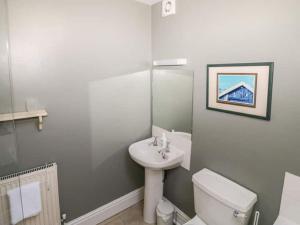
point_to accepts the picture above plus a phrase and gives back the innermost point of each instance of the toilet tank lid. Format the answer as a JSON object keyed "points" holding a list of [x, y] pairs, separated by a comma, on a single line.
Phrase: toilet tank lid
{"points": [[224, 190]]}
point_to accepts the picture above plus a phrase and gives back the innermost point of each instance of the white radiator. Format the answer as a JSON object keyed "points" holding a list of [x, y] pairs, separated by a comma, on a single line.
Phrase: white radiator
{"points": [[47, 176]]}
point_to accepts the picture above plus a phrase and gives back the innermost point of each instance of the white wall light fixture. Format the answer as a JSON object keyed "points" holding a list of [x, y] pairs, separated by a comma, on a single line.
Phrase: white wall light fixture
{"points": [[168, 7], [170, 62]]}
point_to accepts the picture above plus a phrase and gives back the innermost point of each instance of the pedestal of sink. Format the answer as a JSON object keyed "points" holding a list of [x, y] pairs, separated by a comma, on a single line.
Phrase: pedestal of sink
{"points": [[153, 193], [155, 159]]}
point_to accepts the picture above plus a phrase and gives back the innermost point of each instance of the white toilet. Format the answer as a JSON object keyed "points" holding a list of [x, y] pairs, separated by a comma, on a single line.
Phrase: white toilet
{"points": [[219, 201], [290, 201]]}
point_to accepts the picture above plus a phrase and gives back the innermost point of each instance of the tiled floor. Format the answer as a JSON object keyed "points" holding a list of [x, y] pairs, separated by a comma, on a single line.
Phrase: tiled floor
{"points": [[131, 216]]}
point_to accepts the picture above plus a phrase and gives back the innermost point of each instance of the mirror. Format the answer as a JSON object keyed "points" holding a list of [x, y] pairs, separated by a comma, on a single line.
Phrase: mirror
{"points": [[172, 100]]}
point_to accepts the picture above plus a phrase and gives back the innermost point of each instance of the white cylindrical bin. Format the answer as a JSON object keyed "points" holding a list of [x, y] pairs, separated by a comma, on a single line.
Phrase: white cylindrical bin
{"points": [[165, 213]]}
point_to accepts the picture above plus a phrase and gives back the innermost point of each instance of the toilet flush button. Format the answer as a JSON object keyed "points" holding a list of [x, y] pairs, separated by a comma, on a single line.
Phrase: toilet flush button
{"points": [[238, 214]]}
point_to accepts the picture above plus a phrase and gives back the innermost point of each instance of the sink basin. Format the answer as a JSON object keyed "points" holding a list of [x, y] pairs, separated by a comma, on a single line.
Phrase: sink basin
{"points": [[149, 156], [155, 162]]}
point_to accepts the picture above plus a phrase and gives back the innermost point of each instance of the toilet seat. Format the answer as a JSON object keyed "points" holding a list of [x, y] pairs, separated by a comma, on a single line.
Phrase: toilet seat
{"points": [[195, 221], [283, 221], [290, 201]]}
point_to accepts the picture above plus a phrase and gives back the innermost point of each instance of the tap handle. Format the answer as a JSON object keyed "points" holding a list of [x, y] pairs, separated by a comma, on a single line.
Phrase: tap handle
{"points": [[155, 141], [168, 146]]}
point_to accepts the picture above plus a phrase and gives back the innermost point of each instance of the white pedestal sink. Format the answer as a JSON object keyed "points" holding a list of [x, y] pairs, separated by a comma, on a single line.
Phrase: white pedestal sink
{"points": [[155, 160]]}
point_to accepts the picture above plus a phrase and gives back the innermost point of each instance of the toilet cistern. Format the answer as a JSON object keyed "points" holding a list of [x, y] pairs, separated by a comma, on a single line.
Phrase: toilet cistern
{"points": [[219, 201]]}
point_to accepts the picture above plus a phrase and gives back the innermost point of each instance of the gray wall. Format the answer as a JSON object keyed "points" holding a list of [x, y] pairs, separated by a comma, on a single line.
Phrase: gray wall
{"points": [[252, 152], [65, 55], [78, 59]]}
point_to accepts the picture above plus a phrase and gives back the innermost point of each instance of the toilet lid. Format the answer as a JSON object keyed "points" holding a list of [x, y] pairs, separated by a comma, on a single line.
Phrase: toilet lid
{"points": [[283, 221], [195, 221]]}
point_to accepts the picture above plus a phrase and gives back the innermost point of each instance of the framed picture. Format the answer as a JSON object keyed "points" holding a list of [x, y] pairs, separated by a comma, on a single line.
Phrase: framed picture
{"points": [[242, 89]]}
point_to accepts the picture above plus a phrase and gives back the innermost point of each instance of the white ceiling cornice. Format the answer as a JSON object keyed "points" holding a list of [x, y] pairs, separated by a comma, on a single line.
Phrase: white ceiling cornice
{"points": [[149, 2]]}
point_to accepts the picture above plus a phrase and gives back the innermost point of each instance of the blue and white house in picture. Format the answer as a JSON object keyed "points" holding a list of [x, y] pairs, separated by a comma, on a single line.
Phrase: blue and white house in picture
{"points": [[237, 89], [243, 89]]}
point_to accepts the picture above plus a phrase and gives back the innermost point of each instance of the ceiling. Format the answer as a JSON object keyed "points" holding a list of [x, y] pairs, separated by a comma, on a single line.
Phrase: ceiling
{"points": [[149, 2]]}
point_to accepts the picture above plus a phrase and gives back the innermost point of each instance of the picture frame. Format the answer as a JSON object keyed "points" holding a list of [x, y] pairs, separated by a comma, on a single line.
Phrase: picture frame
{"points": [[243, 89]]}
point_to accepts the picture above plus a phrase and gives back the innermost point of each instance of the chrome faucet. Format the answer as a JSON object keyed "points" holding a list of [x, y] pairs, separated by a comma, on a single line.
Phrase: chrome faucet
{"points": [[166, 149], [155, 141]]}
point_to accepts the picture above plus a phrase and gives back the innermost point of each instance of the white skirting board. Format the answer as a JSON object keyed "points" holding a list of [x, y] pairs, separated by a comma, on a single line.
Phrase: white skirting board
{"points": [[180, 217], [106, 211]]}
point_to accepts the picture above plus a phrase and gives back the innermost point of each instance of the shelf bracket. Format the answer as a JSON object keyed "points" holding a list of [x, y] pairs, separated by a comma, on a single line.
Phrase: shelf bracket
{"points": [[40, 125]]}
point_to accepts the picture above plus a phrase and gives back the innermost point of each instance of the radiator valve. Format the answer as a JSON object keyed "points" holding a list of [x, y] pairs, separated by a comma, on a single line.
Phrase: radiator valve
{"points": [[63, 218]]}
